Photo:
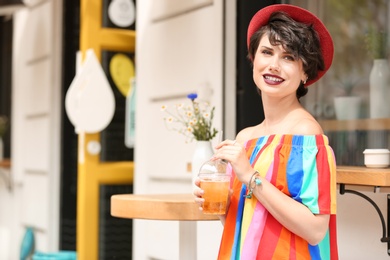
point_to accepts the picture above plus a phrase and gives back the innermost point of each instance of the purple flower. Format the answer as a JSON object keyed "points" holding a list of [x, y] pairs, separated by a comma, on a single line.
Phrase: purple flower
{"points": [[192, 96]]}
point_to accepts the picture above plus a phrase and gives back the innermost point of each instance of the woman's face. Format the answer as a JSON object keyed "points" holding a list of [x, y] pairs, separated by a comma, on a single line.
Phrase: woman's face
{"points": [[275, 71]]}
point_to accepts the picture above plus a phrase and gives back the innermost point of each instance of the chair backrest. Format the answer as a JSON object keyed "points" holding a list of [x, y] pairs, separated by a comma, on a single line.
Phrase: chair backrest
{"points": [[27, 250], [28, 244]]}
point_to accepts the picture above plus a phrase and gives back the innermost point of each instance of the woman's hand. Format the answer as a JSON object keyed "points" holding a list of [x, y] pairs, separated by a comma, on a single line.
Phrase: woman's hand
{"points": [[235, 154], [198, 193]]}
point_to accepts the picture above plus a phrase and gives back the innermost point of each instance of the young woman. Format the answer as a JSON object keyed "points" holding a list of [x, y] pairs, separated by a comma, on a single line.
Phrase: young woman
{"points": [[283, 202]]}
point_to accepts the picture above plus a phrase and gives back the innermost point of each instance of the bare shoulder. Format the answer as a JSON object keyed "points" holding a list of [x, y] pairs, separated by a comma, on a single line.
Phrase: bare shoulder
{"points": [[307, 126], [245, 134]]}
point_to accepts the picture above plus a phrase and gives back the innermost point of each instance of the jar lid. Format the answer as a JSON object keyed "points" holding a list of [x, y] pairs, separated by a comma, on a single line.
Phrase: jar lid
{"points": [[376, 151], [213, 166]]}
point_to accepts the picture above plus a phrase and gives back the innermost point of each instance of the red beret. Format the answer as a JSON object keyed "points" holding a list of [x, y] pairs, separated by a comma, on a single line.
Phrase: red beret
{"points": [[300, 15]]}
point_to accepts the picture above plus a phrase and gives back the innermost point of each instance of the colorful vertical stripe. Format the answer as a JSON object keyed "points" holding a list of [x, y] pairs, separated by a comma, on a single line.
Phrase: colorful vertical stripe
{"points": [[302, 167]]}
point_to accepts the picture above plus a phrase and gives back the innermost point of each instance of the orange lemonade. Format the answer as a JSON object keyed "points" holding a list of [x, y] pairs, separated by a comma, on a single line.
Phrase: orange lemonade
{"points": [[215, 195]]}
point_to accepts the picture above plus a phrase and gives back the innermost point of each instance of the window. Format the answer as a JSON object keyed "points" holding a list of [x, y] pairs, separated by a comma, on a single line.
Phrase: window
{"points": [[360, 33]]}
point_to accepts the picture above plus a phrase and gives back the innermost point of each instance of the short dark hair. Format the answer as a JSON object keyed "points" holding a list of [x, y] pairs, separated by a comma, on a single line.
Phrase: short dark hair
{"points": [[297, 38]]}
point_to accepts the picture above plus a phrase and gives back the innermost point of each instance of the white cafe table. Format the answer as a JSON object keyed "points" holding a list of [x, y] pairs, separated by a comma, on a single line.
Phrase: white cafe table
{"points": [[179, 207]]}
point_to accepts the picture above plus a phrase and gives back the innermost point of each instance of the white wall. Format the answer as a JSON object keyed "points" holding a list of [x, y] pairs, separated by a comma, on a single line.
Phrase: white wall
{"points": [[179, 50], [359, 226], [10, 217], [36, 106]]}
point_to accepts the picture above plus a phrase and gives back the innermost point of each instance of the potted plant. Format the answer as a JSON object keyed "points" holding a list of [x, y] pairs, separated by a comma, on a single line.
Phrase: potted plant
{"points": [[195, 122], [377, 43], [347, 106]]}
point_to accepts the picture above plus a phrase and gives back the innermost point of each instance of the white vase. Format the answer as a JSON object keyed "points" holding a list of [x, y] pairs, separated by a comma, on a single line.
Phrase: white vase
{"points": [[202, 153], [379, 89], [347, 108]]}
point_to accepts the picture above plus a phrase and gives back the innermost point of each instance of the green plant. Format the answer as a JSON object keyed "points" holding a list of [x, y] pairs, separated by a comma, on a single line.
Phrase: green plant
{"points": [[347, 84], [193, 121], [376, 42], [3, 125]]}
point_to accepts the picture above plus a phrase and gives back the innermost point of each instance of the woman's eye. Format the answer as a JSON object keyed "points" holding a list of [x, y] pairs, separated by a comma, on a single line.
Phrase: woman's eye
{"points": [[289, 57], [267, 52]]}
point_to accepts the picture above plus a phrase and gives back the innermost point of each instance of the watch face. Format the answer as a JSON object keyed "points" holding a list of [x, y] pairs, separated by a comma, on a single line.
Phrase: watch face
{"points": [[122, 12]]}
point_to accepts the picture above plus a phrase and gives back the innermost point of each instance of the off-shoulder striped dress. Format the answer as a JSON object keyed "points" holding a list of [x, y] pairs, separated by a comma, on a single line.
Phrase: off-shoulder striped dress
{"points": [[304, 168]]}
